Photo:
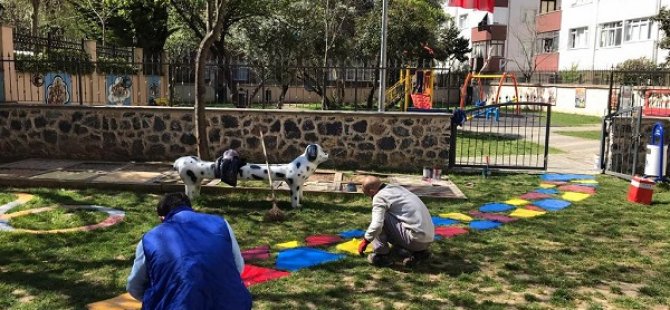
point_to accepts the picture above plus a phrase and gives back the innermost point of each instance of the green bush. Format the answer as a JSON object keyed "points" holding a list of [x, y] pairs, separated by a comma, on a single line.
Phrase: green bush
{"points": [[72, 62], [640, 71], [570, 76], [55, 61], [116, 65]]}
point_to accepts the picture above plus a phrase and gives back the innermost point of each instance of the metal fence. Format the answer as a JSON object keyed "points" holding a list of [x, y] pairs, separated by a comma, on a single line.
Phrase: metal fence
{"points": [[116, 53], [511, 136], [52, 41], [659, 77], [620, 141], [77, 80], [345, 87]]}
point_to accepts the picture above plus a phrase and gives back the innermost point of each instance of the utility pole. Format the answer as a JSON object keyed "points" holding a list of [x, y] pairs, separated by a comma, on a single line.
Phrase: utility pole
{"points": [[382, 62]]}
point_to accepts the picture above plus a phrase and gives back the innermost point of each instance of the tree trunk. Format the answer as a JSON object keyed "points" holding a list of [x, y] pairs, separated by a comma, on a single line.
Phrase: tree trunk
{"points": [[371, 95], [256, 90], [282, 96], [201, 61], [35, 16]]}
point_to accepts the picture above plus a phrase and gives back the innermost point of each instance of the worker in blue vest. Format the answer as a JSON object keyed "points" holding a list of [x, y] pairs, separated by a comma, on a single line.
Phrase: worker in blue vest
{"points": [[189, 261]]}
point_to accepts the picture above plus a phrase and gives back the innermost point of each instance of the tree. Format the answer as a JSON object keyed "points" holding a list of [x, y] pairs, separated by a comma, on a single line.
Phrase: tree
{"points": [[101, 10], [17, 13], [214, 17], [191, 17], [142, 23], [663, 18], [273, 44], [638, 71], [526, 37], [413, 26], [450, 45], [50, 6]]}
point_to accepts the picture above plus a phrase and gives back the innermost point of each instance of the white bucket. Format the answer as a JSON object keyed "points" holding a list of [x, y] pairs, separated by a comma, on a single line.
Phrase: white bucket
{"points": [[427, 173], [596, 162], [651, 163]]}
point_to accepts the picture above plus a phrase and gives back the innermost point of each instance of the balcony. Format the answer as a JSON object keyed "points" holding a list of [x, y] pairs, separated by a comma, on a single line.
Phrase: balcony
{"points": [[498, 32], [547, 61], [550, 21]]}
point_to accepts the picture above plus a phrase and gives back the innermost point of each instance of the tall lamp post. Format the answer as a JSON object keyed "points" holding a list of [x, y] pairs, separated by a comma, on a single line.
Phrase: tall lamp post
{"points": [[382, 60]]}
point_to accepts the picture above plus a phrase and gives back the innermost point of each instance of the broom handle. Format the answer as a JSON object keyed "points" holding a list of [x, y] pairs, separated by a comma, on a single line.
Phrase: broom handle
{"points": [[267, 164]]}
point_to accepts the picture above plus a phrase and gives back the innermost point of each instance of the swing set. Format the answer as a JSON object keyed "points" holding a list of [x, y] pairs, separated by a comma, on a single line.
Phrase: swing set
{"points": [[502, 78]]}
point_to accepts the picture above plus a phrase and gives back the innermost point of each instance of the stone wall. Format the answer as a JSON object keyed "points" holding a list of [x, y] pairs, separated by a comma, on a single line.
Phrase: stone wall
{"points": [[620, 156], [364, 140]]}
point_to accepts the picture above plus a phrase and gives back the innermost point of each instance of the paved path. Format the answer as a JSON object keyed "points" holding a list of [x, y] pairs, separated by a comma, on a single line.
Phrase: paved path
{"points": [[579, 153]]}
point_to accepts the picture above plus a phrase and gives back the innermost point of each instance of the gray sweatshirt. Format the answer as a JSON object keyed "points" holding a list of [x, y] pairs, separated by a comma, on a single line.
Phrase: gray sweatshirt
{"points": [[407, 208]]}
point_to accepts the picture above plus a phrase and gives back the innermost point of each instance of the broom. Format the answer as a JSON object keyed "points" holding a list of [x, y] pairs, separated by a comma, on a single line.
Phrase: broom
{"points": [[275, 214]]}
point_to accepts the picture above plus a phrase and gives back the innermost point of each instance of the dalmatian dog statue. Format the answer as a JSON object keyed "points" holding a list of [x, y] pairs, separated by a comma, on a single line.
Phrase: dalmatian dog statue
{"points": [[229, 168]]}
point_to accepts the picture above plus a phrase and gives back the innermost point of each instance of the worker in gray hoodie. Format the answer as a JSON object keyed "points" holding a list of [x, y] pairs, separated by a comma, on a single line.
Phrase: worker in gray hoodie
{"points": [[401, 226]]}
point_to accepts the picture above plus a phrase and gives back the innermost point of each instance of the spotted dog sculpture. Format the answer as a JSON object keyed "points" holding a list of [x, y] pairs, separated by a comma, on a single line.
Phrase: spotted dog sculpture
{"points": [[229, 167]]}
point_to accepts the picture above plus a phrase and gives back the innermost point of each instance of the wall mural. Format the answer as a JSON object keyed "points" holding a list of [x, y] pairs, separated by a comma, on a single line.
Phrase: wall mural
{"points": [[153, 89], [58, 88], [119, 90], [580, 97]]}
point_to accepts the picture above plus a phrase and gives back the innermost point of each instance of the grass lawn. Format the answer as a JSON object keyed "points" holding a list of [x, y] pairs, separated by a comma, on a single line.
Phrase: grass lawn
{"points": [[586, 134], [6, 197], [601, 253], [559, 119], [471, 144]]}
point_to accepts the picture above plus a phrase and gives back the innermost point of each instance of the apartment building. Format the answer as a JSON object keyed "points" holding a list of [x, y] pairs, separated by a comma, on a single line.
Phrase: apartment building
{"points": [[508, 39], [598, 34], [562, 34]]}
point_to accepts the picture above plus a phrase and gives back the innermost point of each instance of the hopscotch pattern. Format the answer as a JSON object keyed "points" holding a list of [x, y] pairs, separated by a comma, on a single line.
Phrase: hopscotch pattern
{"points": [[554, 193]]}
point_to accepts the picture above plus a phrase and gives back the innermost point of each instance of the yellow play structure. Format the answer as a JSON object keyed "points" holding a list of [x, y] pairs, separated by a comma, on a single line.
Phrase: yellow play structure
{"points": [[502, 77], [417, 86]]}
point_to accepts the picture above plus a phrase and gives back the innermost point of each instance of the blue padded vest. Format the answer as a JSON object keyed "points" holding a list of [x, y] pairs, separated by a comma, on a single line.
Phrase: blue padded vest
{"points": [[190, 264]]}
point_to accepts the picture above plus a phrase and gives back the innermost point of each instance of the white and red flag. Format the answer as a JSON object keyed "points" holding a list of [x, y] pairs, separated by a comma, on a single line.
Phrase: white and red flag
{"points": [[482, 5]]}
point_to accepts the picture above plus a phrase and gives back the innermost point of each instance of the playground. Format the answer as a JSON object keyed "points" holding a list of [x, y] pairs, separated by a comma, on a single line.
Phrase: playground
{"points": [[495, 250]]}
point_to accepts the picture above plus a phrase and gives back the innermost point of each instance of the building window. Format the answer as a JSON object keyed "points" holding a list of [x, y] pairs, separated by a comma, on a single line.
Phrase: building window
{"points": [[478, 49], [461, 20], [610, 34], [497, 48], [579, 37], [241, 74], [581, 2], [547, 6], [547, 42], [638, 30], [482, 49]]}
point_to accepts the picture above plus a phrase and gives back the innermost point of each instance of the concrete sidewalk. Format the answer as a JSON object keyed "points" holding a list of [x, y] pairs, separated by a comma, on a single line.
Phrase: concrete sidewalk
{"points": [[579, 153]]}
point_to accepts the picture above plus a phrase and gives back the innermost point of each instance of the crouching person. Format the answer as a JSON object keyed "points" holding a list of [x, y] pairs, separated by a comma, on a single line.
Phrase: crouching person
{"points": [[189, 261], [399, 219]]}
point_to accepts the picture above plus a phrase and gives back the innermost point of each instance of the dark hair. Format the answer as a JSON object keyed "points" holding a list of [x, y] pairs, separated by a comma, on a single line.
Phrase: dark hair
{"points": [[171, 201]]}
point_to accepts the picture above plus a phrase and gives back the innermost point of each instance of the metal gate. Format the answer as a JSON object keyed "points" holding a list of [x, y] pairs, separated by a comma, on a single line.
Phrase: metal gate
{"points": [[620, 143], [512, 136]]}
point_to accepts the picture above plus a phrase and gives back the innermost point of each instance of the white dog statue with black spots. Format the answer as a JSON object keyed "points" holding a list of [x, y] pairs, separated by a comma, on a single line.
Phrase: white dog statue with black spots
{"points": [[230, 167]]}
